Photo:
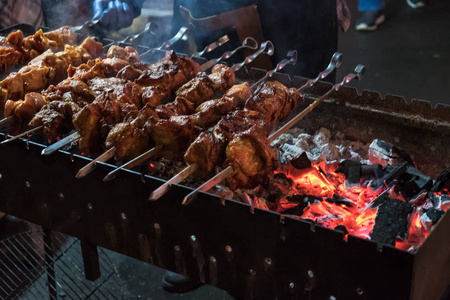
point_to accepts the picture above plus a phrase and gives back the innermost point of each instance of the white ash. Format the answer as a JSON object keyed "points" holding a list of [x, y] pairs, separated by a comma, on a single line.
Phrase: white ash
{"points": [[320, 146]]}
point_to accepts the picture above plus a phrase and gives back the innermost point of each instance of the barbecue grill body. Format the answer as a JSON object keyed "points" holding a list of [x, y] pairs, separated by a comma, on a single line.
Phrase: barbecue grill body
{"points": [[259, 254]]}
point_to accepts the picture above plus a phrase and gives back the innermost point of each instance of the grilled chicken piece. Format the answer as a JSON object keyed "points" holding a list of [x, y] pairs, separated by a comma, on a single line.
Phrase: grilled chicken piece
{"points": [[252, 159], [17, 49], [207, 151], [46, 69], [129, 137], [23, 110], [179, 107], [274, 100], [128, 53], [174, 134], [197, 90], [215, 143], [95, 120], [210, 112], [223, 77], [56, 117]]}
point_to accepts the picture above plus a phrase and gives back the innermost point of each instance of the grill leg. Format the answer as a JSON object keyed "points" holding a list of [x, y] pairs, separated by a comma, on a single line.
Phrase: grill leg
{"points": [[90, 260], [50, 264]]}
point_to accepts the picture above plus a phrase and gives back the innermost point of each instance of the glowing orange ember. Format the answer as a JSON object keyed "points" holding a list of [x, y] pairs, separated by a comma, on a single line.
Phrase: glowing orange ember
{"points": [[352, 209]]}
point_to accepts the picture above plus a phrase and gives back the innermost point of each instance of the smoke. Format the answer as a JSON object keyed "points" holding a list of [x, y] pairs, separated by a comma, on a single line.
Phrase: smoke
{"points": [[65, 12]]}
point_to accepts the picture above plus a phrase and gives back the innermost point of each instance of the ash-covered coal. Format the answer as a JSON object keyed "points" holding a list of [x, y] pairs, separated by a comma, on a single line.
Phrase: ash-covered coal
{"points": [[320, 146]]}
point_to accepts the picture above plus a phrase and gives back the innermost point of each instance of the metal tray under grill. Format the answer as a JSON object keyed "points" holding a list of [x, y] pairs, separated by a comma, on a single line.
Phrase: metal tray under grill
{"points": [[260, 254]]}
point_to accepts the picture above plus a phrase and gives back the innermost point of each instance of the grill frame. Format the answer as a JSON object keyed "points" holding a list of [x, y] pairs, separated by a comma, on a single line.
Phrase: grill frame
{"points": [[271, 256]]}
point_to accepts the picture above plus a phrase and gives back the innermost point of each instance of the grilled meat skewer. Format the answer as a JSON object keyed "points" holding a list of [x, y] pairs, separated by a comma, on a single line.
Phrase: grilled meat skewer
{"points": [[15, 48]]}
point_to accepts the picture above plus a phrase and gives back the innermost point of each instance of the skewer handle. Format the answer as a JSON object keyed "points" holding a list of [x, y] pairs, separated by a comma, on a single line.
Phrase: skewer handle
{"points": [[208, 185], [249, 42], [266, 47], [186, 172], [134, 162], [335, 63], [61, 143], [91, 166], [291, 59], [357, 74], [23, 134], [212, 46]]}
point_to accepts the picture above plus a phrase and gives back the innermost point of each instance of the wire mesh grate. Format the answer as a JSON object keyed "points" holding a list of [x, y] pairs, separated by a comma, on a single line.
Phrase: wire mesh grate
{"points": [[27, 273]]}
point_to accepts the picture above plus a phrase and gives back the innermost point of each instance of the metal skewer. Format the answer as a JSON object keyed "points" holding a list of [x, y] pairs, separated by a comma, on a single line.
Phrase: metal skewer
{"points": [[61, 143], [22, 134], [91, 166], [266, 47], [6, 121], [357, 74], [134, 162], [212, 46], [249, 42], [186, 172], [208, 185]]}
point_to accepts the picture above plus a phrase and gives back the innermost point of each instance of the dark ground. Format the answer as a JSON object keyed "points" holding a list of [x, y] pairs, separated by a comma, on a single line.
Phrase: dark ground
{"points": [[408, 55]]}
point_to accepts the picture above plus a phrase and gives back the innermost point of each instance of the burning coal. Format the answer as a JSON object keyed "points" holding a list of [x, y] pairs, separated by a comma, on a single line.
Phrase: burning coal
{"points": [[372, 191]]}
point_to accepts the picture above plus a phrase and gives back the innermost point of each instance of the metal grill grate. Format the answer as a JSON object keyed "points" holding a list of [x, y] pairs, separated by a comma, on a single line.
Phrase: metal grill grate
{"points": [[26, 272]]}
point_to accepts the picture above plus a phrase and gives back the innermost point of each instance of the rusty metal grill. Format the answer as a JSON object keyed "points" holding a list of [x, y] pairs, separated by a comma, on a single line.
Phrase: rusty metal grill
{"points": [[28, 270]]}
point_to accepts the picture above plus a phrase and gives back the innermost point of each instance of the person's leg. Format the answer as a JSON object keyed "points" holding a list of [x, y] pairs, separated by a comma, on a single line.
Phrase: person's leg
{"points": [[364, 5], [372, 14]]}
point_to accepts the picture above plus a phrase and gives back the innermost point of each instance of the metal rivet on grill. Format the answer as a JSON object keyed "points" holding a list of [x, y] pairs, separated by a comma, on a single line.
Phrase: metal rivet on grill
{"points": [[193, 238], [212, 259], [252, 272], [157, 226], [27, 184], [268, 261], [228, 248], [61, 196], [291, 286], [310, 274], [123, 216], [397, 140], [359, 291], [90, 206], [332, 298]]}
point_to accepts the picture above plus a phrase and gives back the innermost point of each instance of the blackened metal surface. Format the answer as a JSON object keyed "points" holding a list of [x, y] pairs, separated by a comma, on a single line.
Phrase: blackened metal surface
{"points": [[247, 254]]}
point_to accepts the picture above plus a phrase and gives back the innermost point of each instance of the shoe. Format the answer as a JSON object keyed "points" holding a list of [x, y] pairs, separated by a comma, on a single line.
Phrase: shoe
{"points": [[176, 283], [370, 20], [416, 3]]}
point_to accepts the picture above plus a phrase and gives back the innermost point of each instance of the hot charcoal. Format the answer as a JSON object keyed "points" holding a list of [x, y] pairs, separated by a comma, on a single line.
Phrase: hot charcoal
{"points": [[392, 173], [413, 182], [392, 222]]}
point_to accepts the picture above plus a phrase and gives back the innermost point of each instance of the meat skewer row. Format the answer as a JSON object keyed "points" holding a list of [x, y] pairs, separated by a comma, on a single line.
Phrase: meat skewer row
{"points": [[15, 49], [179, 122], [80, 85], [188, 96], [248, 43], [54, 114], [47, 68], [184, 103], [206, 143], [250, 160]]}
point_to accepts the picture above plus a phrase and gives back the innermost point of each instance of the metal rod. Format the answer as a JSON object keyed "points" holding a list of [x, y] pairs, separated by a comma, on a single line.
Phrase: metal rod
{"points": [[357, 74], [186, 172], [6, 121], [91, 166], [52, 291], [208, 185], [61, 143], [23, 134], [335, 62], [266, 48], [134, 162], [249, 42], [212, 46]]}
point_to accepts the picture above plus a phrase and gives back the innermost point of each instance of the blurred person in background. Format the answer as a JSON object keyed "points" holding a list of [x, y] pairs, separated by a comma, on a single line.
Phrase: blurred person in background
{"points": [[372, 13]]}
